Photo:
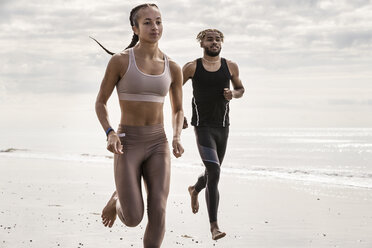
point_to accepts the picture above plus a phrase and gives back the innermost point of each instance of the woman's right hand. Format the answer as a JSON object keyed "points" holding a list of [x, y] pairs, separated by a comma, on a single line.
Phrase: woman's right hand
{"points": [[113, 143]]}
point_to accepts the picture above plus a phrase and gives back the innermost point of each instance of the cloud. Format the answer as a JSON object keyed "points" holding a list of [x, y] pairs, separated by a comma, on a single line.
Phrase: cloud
{"points": [[346, 102], [45, 45]]}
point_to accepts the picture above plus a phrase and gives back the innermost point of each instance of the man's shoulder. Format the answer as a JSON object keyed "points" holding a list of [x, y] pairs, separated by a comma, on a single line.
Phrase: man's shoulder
{"points": [[230, 62], [190, 63], [232, 66], [190, 66]]}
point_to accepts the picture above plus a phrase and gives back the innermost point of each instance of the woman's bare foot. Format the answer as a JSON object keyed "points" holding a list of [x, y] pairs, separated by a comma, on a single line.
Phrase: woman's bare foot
{"points": [[216, 233], [109, 211], [194, 199]]}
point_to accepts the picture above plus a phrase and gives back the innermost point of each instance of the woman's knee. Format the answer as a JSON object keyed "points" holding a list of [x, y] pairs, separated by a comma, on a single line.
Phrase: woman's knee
{"points": [[132, 222], [157, 208], [131, 216]]}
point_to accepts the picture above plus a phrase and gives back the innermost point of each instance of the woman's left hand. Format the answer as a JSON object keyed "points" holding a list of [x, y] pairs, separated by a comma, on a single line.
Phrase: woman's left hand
{"points": [[177, 148]]}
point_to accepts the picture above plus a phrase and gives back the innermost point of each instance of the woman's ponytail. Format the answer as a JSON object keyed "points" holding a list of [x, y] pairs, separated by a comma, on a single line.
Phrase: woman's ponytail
{"points": [[133, 42], [104, 48]]}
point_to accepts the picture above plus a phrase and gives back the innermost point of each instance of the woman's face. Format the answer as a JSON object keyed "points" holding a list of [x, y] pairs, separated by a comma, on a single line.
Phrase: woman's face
{"points": [[150, 27]]}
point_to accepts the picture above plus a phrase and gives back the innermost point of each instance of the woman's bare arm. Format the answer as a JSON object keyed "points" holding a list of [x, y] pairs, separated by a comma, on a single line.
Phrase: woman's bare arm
{"points": [[175, 95], [111, 77]]}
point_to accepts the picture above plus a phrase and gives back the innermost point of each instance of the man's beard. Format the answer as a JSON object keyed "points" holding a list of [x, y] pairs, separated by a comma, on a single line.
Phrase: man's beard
{"points": [[212, 53]]}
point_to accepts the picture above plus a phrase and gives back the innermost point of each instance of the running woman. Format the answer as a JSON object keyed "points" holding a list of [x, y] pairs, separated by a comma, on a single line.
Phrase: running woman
{"points": [[142, 75]]}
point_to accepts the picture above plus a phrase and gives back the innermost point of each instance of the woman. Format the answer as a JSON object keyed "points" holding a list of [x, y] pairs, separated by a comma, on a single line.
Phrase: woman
{"points": [[142, 75]]}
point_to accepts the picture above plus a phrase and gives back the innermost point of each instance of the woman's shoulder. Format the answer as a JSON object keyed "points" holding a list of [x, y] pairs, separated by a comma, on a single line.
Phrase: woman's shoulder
{"points": [[118, 63], [123, 55], [173, 66], [120, 59]]}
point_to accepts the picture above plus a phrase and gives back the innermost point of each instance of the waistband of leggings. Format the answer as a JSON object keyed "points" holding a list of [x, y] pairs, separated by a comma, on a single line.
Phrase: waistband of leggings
{"points": [[142, 130]]}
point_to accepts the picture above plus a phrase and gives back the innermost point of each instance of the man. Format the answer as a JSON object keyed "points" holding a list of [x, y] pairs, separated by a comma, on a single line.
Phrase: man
{"points": [[211, 76]]}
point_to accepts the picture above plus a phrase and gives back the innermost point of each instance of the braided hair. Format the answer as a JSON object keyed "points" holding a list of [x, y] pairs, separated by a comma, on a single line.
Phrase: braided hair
{"points": [[133, 22]]}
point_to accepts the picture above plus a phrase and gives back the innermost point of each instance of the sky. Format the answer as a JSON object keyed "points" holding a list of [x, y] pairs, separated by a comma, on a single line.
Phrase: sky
{"points": [[303, 63]]}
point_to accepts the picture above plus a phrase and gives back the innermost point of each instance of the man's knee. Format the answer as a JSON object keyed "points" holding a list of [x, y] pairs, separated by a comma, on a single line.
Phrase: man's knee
{"points": [[213, 172]]}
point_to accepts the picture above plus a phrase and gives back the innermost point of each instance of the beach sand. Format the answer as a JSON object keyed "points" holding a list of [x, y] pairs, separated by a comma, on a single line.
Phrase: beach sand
{"points": [[49, 203]]}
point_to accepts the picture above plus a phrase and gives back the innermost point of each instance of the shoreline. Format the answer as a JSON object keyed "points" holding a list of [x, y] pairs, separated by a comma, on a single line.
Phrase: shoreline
{"points": [[48, 203], [317, 176]]}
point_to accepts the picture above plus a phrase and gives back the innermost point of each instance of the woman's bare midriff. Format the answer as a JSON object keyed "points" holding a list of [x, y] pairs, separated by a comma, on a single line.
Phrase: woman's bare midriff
{"points": [[138, 113]]}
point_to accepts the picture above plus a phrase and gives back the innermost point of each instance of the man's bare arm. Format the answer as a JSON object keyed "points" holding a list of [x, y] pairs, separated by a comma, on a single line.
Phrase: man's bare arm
{"points": [[188, 71], [238, 90]]}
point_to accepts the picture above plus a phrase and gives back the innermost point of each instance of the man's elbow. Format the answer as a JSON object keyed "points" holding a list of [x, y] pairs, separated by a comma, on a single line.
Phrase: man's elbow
{"points": [[239, 92], [242, 90]]}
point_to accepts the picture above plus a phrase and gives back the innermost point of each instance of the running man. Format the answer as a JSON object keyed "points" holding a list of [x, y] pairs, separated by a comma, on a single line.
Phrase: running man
{"points": [[211, 76]]}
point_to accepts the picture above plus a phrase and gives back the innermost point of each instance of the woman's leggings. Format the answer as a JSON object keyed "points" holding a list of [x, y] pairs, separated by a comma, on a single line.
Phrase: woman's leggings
{"points": [[146, 154], [211, 143]]}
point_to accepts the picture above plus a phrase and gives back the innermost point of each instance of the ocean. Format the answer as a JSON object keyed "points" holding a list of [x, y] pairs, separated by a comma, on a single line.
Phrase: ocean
{"points": [[329, 156]]}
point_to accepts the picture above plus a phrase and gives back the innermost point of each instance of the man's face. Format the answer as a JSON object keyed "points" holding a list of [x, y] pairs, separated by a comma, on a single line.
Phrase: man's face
{"points": [[212, 44]]}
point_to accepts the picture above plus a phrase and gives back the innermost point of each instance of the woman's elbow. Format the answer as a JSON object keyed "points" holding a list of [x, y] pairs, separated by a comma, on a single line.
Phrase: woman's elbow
{"points": [[178, 111]]}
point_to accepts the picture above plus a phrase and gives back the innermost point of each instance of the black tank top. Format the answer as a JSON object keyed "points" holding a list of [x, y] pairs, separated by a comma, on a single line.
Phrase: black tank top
{"points": [[209, 106]]}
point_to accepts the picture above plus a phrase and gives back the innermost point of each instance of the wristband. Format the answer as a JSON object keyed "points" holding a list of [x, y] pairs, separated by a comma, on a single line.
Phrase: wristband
{"points": [[110, 129]]}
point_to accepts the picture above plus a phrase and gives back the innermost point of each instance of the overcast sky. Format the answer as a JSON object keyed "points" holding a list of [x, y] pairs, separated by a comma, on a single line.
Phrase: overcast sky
{"points": [[294, 56]]}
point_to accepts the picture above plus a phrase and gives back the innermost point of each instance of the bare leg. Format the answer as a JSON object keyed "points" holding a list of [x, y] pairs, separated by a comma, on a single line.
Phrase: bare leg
{"points": [[215, 230], [194, 199], [109, 211]]}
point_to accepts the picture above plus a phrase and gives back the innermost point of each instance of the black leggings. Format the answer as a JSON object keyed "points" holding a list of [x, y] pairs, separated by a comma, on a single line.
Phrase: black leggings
{"points": [[211, 143]]}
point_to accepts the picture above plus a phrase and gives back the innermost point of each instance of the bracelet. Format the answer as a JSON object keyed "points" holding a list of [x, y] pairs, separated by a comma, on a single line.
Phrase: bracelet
{"points": [[110, 129]]}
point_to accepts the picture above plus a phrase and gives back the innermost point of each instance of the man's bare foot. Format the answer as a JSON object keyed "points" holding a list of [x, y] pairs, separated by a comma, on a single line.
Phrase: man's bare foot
{"points": [[109, 211], [216, 233], [194, 199]]}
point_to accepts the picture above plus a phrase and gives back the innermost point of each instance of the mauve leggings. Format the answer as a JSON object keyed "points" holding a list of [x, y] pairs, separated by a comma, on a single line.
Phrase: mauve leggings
{"points": [[146, 154]]}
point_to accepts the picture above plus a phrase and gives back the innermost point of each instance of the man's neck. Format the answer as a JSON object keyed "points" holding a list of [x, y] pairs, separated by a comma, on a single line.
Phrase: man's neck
{"points": [[210, 59]]}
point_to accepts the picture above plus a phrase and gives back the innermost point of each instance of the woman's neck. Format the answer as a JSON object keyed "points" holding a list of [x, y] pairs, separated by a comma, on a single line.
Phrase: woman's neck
{"points": [[149, 50]]}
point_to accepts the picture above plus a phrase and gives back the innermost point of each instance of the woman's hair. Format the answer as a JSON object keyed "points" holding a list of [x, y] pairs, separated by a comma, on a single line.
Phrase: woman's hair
{"points": [[133, 22], [202, 34]]}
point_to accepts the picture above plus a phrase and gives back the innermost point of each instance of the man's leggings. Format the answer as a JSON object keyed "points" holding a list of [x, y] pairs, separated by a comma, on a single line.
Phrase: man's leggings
{"points": [[211, 143]]}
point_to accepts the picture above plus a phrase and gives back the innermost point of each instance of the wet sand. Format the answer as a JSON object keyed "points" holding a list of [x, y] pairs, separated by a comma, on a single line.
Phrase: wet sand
{"points": [[48, 203]]}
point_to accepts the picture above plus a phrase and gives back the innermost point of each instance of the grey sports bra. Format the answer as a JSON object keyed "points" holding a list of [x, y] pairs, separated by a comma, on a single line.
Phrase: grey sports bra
{"points": [[138, 86]]}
